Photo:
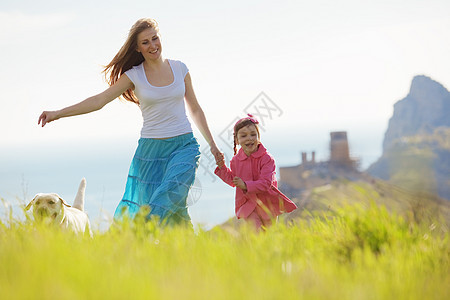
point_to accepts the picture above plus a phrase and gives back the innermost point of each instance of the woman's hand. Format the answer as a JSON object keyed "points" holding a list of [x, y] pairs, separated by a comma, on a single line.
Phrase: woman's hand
{"points": [[240, 183], [47, 117], [90, 104], [220, 164], [218, 156]]}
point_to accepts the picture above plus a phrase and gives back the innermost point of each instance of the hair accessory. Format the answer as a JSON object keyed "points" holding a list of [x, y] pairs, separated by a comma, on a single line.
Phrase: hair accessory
{"points": [[250, 117]]}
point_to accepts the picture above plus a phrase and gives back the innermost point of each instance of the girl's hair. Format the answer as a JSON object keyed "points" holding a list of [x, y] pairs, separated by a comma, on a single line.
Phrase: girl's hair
{"points": [[241, 124], [127, 57]]}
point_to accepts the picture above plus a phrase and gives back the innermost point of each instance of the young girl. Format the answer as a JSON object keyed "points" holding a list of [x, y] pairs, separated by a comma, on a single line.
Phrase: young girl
{"points": [[258, 199]]}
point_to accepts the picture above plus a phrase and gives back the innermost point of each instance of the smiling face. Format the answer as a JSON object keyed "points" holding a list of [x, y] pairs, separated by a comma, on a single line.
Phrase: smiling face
{"points": [[149, 44], [248, 138]]}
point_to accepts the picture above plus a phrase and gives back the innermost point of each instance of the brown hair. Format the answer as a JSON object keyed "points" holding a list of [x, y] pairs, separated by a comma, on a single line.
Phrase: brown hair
{"points": [[241, 124], [127, 57]]}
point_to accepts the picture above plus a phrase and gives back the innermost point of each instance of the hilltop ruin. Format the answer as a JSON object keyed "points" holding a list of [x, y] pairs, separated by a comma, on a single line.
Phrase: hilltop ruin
{"points": [[309, 174]]}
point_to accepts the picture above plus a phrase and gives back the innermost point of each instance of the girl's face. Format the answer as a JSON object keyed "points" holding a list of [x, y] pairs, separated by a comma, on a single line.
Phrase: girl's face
{"points": [[247, 137], [149, 44]]}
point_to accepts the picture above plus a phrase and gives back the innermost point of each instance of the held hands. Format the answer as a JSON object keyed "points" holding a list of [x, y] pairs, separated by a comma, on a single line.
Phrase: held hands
{"points": [[218, 156], [240, 183], [221, 162], [47, 117]]}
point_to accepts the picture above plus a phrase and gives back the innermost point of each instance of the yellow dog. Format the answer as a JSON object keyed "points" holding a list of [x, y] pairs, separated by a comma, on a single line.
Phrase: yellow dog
{"points": [[52, 206]]}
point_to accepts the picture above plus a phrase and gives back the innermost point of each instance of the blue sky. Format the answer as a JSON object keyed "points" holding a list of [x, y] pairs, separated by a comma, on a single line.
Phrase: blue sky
{"points": [[327, 65]]}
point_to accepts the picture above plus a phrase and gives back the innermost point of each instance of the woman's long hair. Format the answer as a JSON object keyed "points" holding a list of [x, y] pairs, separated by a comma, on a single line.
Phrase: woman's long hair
{"points": [[128, 57]]}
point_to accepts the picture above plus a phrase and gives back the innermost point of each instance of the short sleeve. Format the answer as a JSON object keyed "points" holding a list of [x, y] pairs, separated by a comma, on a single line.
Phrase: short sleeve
{"points": [[184, 69], [133, 75]]}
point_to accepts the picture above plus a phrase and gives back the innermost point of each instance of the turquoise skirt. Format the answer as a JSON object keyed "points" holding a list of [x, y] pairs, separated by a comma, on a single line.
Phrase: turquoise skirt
{"points": [[161, 173]]}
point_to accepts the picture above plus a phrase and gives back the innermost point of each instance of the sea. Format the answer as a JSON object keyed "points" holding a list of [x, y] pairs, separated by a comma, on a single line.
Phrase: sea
{"points": [[26, 170]]}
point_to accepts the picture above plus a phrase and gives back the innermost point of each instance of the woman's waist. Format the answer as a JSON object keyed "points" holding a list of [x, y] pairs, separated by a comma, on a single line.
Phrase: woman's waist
{"points": [[166, 131], [181, 136], [174, 137]]}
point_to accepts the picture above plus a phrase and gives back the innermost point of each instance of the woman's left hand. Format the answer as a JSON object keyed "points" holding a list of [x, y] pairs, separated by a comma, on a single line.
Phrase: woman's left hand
{"points": [[218, 156]]}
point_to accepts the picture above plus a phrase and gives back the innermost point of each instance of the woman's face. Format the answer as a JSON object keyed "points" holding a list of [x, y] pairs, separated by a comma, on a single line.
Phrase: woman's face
{"points": [[248, 138], [149, 44]]}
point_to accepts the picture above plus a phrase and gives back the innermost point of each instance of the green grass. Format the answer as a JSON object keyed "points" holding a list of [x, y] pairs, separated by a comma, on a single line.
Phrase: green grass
{"points": [[416, 207], [359, 253]]}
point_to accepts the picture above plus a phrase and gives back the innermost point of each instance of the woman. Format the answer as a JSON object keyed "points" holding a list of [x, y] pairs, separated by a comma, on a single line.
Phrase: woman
{"points": [[166, 159]]}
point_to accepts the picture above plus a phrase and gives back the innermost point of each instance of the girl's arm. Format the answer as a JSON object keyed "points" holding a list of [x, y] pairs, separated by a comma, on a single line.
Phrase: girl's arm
{"points": [[266, 177], [199, 118], [90, 104], [225, 174]]}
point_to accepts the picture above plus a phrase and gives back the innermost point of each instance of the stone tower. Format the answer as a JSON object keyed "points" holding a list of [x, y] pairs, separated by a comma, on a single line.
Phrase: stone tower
{"points": [[311, 173], [339, 150]]}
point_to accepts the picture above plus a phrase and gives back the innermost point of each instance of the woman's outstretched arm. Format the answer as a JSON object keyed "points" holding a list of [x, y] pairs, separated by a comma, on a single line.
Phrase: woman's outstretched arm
{"points": [[90, 104]]}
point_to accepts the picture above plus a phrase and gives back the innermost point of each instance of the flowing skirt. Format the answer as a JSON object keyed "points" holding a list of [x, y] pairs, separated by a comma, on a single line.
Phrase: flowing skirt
{"points": [[161, 173]]}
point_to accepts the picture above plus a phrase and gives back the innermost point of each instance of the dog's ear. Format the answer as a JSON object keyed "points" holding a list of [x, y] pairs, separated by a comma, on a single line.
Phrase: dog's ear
{"points": [[64, 202], [31, 203]]}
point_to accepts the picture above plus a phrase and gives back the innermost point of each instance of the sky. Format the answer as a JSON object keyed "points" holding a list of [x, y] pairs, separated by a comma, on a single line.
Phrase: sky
{"points": [[321, 65], [326, 64]]}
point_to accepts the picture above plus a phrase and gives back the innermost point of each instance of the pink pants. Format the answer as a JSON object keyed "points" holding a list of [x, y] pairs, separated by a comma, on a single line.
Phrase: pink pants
{"points": [[260, 219]]}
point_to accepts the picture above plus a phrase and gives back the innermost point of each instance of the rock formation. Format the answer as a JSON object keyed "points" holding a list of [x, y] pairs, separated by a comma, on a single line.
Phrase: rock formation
{"points": [[426, 107], [416, 146]]}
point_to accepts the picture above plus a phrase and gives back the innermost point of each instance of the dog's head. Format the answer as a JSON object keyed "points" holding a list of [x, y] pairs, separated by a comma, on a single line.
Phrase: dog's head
{"points": [[48, 206]]}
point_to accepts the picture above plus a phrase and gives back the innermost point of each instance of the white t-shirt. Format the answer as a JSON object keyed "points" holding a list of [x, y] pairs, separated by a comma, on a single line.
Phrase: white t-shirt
{"points": [[163, 108]]}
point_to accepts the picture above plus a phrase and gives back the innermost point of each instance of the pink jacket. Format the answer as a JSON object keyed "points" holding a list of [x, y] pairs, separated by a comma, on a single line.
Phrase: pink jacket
{"points": [[258, 173]]}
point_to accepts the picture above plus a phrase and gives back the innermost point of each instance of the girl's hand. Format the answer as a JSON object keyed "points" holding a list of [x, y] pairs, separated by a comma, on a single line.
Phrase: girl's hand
{"points": [[221, 163], [218, 156], [240, 183], [47, 117]]}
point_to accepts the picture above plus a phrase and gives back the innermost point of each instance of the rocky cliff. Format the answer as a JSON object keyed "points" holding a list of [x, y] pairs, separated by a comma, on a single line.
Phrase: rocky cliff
{"points": [[416, 146], [426, 107]]}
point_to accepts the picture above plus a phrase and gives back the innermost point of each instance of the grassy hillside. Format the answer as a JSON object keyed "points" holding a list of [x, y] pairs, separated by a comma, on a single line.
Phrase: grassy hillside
{"points": [[361, 252], [414, 206], [418, 163]]}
